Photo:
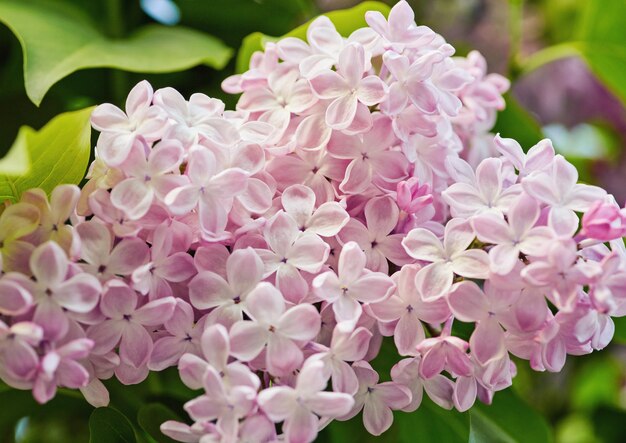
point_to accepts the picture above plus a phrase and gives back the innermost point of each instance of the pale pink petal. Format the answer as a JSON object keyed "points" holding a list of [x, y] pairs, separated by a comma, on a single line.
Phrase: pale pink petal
{"points": [[283, 355], [347, 310], [301, 426], [208, 290], [155, 312], [371, 90], [308, 253], [330, 404], [165, 353], [328, 219], [422, 244], [14, 299], [357, 178], [281, 233], [127, 256], [291, 284], [302, 322], [377, 416], [473, 263], [434, 280], [105, 335], [117, 300], [108, 117], [504, 258], [177, 267], [487, 341], [265, 304], [191, 369], [371, 287], [79, 293], [133, 197], [327, 286], [182, 200], [341, 112], [464, 393], [216, 346], [244, 269], [468, 302], [139, 98], [381, 215], [230, 182], [49, 264], [491, 228], [247, 340], [433, 362], [408, 333], [299, 202], [135, 345], [458, 236], [329, 85], [277, 402], [351, 63]]}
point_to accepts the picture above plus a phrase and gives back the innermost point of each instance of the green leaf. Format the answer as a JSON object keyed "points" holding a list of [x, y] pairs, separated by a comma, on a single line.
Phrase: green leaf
{"points": [[346, 21], [597, 382], [59, 153], [515, 122], [620, 330], [58, 39], [150, 418], [433, 423], [16, 162], [429, 423], [106, 425], [507, 420], [608, 423], [603, 42], [63, 419]]}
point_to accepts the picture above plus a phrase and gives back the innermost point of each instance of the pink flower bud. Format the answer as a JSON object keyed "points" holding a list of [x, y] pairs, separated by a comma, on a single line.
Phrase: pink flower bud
{"points": [[604, 221]]}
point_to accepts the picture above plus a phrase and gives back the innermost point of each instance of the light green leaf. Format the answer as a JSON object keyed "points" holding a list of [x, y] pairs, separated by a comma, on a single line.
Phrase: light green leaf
{"points": [[508, 420], [106, 425], [601, 42], [16, 162], [346, 21], [58, 39], [59, 153]]}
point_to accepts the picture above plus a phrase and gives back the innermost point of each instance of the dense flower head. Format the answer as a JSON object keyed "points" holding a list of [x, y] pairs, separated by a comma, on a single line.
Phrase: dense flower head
{"points": [[355, 193]]}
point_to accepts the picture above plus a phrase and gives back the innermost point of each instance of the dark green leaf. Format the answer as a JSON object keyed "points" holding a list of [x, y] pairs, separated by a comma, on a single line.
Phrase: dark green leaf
{"points": [[59, 153], [515, 122], [508, 420], [62, 419], [58, 39], [433, 423], [150, 418], [608, 423], [428, 424], [620, 329], [106, 425], [346, 21]]}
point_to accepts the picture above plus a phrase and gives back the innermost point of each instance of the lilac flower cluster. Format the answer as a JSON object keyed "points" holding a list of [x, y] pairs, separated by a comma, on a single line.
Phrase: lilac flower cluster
{"points": [[356, 193]]}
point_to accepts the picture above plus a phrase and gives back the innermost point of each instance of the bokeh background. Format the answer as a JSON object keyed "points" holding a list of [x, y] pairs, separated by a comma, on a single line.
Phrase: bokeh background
{"points": [[567, 63]]}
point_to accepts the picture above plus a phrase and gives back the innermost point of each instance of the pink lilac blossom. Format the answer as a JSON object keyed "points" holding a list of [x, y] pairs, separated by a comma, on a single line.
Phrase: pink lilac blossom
{"points": [[356, 193]]}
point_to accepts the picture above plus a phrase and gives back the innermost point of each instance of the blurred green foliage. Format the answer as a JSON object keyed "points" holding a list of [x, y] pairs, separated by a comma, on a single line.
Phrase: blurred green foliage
{"points": [[65, 55]]}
